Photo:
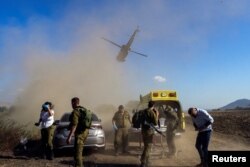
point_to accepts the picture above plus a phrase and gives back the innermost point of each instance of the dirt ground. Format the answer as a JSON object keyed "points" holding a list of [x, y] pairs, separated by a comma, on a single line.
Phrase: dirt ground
{"points": [[231, 132]]}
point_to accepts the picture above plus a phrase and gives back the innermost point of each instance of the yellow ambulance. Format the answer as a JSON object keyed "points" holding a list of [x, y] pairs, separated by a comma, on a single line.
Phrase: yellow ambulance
{"points": [[164, 99]]}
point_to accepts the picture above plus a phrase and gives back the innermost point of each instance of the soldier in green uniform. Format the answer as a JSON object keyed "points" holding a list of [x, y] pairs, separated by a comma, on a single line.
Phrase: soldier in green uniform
{"points": [[150, 118], [121, 123], [78, 130], [172, 124]]}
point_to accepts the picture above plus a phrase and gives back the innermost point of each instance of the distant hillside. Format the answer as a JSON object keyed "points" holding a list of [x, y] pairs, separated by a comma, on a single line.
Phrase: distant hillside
{"points": [[241, 103]]}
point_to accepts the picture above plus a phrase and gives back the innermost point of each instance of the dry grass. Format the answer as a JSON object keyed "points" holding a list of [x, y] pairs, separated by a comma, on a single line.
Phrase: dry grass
{"points": [[10, 135]]}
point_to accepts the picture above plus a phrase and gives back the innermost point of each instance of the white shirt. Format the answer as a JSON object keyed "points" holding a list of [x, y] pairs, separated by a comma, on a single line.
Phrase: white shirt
{"points": [[47, 120]]}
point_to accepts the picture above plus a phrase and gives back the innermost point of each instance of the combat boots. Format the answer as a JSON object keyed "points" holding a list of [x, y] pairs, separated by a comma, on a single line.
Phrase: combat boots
{"points": [[50, 154], [142, 165], [43, 153]]}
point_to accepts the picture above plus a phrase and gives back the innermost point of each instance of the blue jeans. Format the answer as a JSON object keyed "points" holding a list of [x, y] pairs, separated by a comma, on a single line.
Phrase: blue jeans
{"points": [[201, 145]]}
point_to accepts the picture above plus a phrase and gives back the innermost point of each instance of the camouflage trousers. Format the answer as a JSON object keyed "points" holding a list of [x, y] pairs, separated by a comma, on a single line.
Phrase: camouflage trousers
{"points": [[171, 128], [147, 136], [47, 135], [121, 139], [171, 143], [78, 147]]}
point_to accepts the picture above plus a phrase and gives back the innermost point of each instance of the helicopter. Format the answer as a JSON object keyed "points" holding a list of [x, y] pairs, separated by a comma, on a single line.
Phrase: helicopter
{"points": [[125, 49]]}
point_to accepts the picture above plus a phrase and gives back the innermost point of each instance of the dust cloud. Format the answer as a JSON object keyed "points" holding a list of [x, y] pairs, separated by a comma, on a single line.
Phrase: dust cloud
{"points": [[88, 70], [57, 59]]}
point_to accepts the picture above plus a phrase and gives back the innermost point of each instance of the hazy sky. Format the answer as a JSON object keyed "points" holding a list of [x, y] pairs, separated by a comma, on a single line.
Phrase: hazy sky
{"points": [[199, 48]]}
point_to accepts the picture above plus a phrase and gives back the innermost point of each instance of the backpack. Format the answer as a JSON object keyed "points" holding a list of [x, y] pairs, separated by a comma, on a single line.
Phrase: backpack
{"points": [[85, 119], [138, 119]]}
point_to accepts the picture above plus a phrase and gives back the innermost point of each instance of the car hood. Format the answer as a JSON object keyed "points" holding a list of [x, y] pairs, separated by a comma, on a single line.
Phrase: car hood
{"points": [[66, 124]]}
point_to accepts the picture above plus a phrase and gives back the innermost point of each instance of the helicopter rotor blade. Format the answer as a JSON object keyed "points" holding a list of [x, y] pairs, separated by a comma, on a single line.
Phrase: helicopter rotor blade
{"points": [[112, 42], [138, 53]]}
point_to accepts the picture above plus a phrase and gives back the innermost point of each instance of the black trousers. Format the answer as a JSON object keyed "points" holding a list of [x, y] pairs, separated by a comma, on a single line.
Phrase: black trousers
{"points": [[202, 142]]}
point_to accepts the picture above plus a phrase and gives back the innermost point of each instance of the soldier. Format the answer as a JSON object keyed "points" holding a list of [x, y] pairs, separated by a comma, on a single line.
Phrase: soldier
{"points": [[47, 130], [121, 123], [172, 124], [150, 119], [80, 132]]}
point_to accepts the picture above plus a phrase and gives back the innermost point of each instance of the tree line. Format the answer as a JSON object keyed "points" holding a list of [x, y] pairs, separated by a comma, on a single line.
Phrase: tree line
{"points": [[4, 109]]}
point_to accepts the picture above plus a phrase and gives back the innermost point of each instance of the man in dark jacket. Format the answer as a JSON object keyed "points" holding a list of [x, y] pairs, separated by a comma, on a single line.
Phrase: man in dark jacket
{"points": [[202, 122]]}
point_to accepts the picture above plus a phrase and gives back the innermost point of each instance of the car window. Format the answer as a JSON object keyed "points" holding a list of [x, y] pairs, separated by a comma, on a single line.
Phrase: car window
{"points": [[94, 117], [65, 118]]}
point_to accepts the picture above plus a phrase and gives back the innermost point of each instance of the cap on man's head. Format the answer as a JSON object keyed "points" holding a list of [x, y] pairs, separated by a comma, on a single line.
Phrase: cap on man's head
{"points": [[48, 104], [121, 107], [45, 107]]}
